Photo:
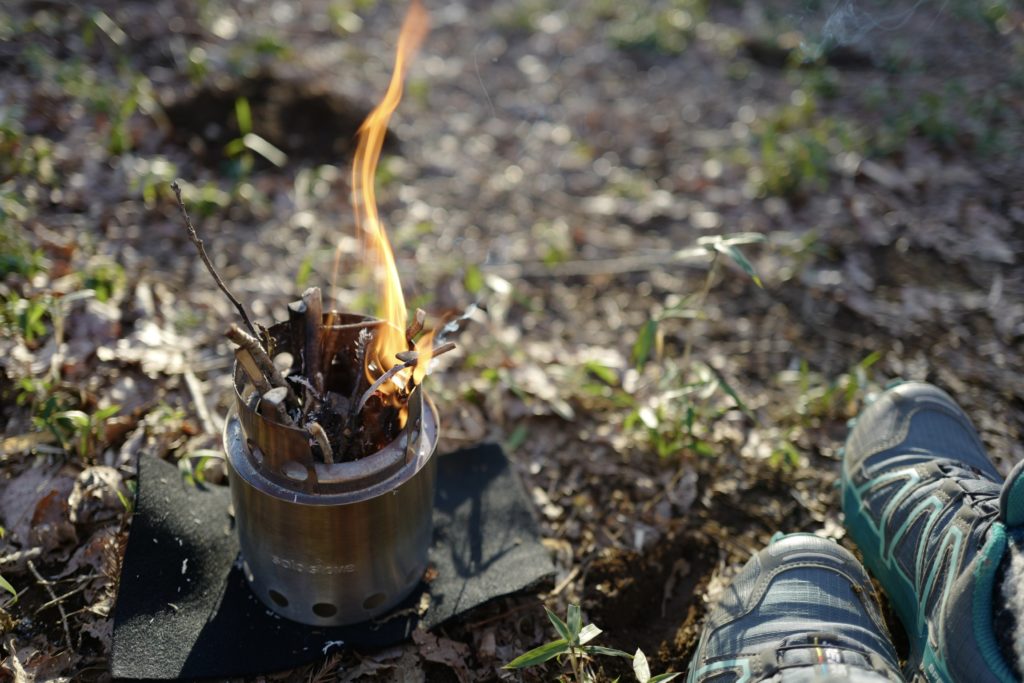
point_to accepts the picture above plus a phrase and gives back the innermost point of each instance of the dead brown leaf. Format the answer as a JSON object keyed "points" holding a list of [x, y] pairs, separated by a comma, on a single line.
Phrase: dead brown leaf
{"points": [[51, 525], [19, 494], [95, 495], [28, 665], [443, 651]]}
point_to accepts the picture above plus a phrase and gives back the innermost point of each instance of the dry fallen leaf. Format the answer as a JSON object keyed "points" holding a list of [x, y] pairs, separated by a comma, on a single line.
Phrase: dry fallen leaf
{"points": [[51, 525], [97, 495], [19, 495], [443, 651], [28, 665]]}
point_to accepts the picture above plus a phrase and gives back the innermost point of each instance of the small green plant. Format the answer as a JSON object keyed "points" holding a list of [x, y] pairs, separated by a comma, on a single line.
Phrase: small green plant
{"points": [[672, 417], [25, 317], [6, 585], [193, 465], [76, 430], [663, 27], [572, 648], [105, 278], [242, 148], [56, 410]]}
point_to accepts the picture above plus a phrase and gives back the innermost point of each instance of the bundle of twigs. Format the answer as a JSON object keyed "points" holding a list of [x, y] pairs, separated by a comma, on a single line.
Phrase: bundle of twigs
{"points": [[301, 396]]}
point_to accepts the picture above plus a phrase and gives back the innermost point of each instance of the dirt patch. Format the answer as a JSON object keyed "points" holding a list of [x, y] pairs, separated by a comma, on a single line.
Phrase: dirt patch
{"points": [[652, 600], [303, 118]]}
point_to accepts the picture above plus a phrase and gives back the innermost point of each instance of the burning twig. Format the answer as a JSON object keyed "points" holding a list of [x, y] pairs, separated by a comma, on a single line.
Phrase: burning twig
{"points": [[395, 369], [313, 338], [409, 358], [320, 436], [262, 360], [192, 235], [452, 326], [416, 326]]}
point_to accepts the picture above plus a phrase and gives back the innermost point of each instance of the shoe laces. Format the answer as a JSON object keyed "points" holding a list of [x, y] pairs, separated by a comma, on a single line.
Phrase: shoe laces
{"points": [[981, 493]]}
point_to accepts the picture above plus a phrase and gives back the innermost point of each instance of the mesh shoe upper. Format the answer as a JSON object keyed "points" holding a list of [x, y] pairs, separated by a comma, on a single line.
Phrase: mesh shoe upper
{"points": [[922, 501], [803, 603]]}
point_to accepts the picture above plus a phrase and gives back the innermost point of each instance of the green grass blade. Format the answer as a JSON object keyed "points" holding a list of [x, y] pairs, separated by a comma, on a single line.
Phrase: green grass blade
{"points": [[645, 343], [588, 633], [243, 115], [607, 651], [575, 622], [6, 585], [560, 626], [539, 655], [737, 256]]}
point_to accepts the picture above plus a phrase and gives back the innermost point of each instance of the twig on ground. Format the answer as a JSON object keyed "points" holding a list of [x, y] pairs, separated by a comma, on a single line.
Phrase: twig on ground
{"points": [[192, 235], [48, 587], [565, 582], [692, 257], [15, 560], [202, 410], [46, 605]]}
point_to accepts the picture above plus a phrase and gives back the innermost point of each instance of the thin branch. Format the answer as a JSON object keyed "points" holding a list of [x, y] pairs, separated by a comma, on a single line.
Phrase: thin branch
{"points": [[48, 587], [368, 394], [273, 402], [251, 344], [199, 399], [410, 359], [362, 341], [252, 370], [416, 326], [192, 235], [320, 435]]}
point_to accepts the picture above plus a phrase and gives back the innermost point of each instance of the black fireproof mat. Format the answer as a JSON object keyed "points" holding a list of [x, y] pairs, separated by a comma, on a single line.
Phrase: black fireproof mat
{"points": [[184, 610]]}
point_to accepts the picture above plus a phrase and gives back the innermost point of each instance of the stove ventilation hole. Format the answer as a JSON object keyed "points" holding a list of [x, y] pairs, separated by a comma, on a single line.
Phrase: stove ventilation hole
{"points": [[375, 600], [324, 609]]}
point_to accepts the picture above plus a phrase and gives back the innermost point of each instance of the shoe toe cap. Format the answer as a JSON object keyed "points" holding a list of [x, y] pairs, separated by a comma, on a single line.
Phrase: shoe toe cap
{"points": [[915, 420]]}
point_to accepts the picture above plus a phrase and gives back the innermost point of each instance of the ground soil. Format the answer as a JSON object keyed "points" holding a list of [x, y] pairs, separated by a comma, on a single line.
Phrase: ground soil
{"points": [[557, 163]]}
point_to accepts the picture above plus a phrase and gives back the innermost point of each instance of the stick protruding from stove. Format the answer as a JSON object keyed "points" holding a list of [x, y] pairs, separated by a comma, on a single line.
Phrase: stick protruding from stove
{"points": [[312, 351], [266, 366]]}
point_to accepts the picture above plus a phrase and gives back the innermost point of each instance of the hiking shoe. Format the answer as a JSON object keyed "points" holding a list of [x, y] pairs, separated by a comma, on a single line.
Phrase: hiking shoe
{"points": [[802, 609], [930, 513]]}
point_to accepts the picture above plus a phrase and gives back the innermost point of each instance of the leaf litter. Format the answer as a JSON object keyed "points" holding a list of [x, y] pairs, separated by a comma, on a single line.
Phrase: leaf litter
{"points": [[583, 174]]}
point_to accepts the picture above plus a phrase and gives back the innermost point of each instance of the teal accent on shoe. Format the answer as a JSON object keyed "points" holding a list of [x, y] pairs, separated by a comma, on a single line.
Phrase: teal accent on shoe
{"points": [[985, 575], [776, 537], [742, 664], [893, 383], [921, 500], [1011, 500]]}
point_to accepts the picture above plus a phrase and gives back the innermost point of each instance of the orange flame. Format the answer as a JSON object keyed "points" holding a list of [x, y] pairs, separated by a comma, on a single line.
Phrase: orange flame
{"points": [[390, 337]]}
